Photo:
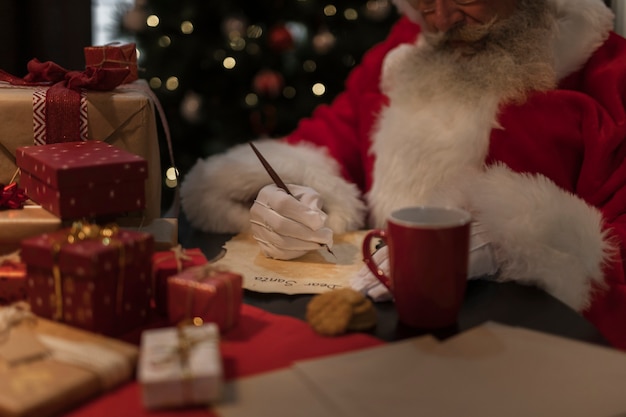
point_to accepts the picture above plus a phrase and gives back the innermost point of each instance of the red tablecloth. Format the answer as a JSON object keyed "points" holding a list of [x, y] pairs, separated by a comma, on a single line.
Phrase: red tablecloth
{"points": [[261, 342]]}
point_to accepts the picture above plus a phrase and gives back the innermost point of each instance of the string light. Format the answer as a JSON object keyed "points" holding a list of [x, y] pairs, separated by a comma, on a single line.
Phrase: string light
{"points": [[164, 41], [351, 14], [186, 27], [229, 62], [330, 10], [318, 89], [155, 82], [152, 21], [172, 83]]}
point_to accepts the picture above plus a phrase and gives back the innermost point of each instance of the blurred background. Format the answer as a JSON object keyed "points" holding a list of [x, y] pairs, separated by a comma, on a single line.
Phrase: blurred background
{"points": [[225, 71]]}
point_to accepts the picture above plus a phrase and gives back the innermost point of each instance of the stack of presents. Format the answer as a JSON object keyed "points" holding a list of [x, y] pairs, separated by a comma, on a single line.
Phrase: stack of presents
{"points": [[85, 256]]}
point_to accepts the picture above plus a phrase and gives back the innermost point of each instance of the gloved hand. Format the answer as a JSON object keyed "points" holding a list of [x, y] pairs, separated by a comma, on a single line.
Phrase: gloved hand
{"points": [[286, 226], [482, 263]]}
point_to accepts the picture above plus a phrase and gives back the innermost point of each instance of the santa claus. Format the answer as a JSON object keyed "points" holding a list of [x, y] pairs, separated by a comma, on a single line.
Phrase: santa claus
{"points": [[511, 109]]}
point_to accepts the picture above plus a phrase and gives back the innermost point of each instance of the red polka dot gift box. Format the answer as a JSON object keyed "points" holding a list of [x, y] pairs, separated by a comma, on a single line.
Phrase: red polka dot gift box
{"points": [[92, 277], [84, 179]]}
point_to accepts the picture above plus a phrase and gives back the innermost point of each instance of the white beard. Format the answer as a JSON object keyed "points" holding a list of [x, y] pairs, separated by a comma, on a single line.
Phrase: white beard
{"points": [[436, 130]]}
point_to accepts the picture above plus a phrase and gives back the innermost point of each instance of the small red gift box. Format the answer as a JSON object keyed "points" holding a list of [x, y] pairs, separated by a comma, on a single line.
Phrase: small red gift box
{"points": [[116, 55], [92, 277], [168, 263], [75, 180], [207, 292], [12, 281]]}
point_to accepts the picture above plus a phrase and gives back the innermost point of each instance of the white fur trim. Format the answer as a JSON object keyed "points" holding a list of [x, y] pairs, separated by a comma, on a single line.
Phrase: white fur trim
{"points": [[581, 27], [216, 194], [543, 235]]}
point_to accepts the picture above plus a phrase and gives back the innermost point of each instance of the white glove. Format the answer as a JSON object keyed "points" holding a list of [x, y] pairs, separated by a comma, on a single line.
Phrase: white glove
{"points": [[287, 227], [482, 263]]}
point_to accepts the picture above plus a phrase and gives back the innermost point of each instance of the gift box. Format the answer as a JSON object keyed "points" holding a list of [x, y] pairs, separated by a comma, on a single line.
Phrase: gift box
{"points": [[18, 224], [207, 292], [12, 280], [47, 368], [168, 263], [81, 179], [95, 278], [115, 55], [180, 366], [124, 117]]}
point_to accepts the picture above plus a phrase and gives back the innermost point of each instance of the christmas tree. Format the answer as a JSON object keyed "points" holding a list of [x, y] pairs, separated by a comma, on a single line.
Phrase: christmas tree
{"points": [[227, 71]]}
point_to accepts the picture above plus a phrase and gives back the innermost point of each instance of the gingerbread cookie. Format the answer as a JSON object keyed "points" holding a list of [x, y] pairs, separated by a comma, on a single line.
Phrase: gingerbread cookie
{"points": [[335, 312]]}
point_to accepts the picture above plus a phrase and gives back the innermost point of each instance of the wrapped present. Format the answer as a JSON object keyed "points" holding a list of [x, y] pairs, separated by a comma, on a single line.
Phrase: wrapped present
{"points": [[18, 224], [207, 292], [47, 368], [92, 277], [82, 179], [124, 117], [12, 279], [168, 263], [114, 55], [180, 366]]}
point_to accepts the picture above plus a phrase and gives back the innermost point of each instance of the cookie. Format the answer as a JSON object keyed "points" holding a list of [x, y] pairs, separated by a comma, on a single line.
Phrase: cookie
{"points": [[363, 316], [335, 312]]}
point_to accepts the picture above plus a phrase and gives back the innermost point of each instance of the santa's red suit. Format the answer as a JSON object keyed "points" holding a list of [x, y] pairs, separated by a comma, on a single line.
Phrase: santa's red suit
{"points": [[546, 178]]}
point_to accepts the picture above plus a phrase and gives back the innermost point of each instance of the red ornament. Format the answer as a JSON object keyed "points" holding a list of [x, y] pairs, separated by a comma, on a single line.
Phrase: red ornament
{"points": [[280, 39], [268, 83]]}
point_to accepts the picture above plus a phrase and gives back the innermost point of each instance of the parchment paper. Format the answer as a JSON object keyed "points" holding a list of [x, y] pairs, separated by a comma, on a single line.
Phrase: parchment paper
{"points": [[314, 273]]}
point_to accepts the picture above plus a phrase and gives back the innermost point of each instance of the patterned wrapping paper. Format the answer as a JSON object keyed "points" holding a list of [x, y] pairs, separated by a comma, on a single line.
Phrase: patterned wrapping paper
{"points": [[83, 179], [99, 284], [207, 292], [118, 55], [124, 118], [168, 263]]}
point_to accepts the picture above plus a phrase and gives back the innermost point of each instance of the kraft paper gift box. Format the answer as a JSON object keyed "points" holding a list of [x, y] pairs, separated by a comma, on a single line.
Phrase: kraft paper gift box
{"points": [[115, 55], [19, 224], [168, 263], [207, 292], [47, 368], [124, 117], [92, 277], [83, 179], [12, 280], [180, 366]]}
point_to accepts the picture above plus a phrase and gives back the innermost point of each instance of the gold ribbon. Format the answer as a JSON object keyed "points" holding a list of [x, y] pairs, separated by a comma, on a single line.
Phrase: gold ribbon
{"points": [[80, 232]]}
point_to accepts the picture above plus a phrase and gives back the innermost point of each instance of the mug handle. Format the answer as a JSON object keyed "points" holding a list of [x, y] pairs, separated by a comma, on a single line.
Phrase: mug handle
{"points": [[367, 255]]}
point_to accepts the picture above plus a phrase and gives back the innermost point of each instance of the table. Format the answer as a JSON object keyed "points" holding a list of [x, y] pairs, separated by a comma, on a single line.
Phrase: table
{"points": [[508, 303]]}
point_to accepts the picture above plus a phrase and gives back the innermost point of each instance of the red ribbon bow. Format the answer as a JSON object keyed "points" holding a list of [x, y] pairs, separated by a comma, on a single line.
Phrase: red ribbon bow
{"points": [[63, 96], [12, 197]]}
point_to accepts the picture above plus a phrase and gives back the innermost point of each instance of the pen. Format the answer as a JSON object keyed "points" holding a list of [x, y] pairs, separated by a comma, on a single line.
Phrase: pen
{"points": [[277, 180]]}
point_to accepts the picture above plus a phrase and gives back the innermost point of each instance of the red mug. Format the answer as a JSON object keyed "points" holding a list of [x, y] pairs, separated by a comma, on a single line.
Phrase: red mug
{"points": [[428, 260]]}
